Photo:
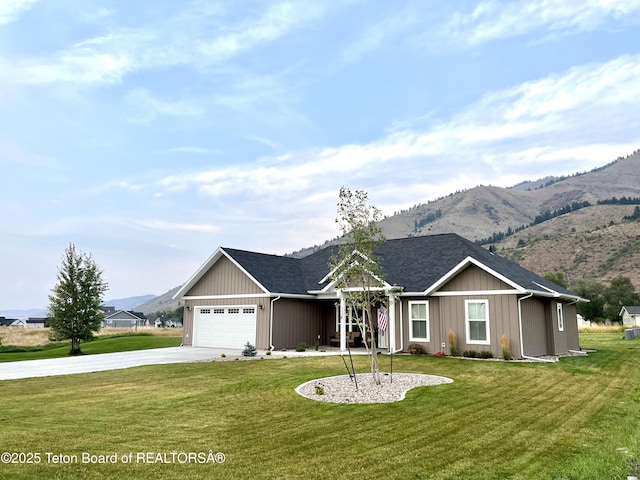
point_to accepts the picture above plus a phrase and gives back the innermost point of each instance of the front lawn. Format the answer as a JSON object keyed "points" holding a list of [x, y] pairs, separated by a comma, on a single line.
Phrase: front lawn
{"points": [[116, 343], [569, 420]]}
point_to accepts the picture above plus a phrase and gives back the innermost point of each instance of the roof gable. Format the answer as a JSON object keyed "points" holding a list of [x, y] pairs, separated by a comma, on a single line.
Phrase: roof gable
{"points": [[631, 310], [415, 264], [125, 315]]}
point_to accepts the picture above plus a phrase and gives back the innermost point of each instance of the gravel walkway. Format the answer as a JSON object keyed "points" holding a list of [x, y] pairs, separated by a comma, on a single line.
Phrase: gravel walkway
{"points": [[341, 389]]}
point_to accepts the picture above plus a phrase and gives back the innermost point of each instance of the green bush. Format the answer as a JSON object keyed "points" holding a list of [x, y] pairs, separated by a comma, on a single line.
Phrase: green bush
{"points": [[485, 354], [416, 349], [470, 353], [301, 347]]}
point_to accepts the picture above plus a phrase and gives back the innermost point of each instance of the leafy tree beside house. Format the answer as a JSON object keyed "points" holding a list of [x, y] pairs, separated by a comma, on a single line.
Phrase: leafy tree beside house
{"points": [[355, 268], [621, 292], [75, 301], [594, 291]]}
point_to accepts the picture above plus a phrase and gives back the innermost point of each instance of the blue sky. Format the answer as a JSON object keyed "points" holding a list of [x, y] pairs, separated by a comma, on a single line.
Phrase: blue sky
{"points": [[150, 133]]}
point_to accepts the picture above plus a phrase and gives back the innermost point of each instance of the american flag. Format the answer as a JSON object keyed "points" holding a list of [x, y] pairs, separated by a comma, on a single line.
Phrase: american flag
{"points": [[382, 318]]}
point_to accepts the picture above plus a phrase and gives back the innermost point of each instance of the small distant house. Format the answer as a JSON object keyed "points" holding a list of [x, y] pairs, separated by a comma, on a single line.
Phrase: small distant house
{"points": [[124, 319], [630, 316], [20, 322], [6, 322], [173, 322], [37, 322]]}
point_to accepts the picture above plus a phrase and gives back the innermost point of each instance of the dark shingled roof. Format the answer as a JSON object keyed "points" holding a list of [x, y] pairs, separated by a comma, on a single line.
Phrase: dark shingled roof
{"points": [[276, 273], [414, 263], [632, 310]]}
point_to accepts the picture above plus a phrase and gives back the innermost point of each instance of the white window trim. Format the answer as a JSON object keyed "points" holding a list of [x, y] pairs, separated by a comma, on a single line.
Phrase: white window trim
{"points": [[413, 338], [560, 315], [466, 323], [351, 322]]}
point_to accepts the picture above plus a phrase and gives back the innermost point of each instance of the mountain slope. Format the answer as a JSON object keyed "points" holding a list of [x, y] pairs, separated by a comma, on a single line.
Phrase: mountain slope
{"points": [[593, 243], [482, 211], [160, 303]]}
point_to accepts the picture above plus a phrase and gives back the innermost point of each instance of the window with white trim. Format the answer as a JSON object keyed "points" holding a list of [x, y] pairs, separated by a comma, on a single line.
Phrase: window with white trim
{"points": [[476, 314], [249, 310], [205, 311], [419, 321], [351, 322], [233, 310], [218, 311], [560, 317]]}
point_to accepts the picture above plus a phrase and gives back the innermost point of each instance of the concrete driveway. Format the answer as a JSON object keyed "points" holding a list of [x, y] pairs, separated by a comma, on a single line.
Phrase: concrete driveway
{"points": [[108, 361]]}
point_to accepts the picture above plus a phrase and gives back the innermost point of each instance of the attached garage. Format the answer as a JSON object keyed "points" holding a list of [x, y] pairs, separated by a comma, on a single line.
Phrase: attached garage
{"points": [[224, 326]]}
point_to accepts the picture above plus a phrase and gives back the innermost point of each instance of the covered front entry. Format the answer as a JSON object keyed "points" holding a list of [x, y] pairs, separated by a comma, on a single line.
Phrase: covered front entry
{"points": [[224, 326]]}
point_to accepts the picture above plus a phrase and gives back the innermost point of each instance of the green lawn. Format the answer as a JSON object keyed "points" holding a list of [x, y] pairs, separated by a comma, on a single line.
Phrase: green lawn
{"points": [[498, 420], [116, 343]]}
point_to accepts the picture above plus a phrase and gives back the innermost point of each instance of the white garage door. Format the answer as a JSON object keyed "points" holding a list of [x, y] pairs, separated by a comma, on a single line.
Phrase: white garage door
{"points": [[224, 327]]}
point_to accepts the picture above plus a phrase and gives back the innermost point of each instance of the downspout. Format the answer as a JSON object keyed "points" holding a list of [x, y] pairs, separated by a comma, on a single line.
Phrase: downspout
{"points": [[271, 323], [401, 331], [520, 329]]}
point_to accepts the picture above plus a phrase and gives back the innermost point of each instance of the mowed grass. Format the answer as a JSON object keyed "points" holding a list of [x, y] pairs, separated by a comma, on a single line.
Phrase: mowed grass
{"points": [[124, 341], [498, 420]]}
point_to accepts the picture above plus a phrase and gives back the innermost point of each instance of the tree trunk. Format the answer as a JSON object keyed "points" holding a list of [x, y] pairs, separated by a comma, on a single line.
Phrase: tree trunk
{"points": [[75, 346], [375, 369]]}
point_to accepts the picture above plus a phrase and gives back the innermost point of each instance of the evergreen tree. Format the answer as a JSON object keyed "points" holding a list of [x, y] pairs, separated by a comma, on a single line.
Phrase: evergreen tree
{"points": [[75, 302]]}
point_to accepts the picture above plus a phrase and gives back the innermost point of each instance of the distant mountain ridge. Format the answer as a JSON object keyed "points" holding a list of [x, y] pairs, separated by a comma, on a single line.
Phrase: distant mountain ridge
{"points": [[608, 242], [596, 242], [129, 303]]}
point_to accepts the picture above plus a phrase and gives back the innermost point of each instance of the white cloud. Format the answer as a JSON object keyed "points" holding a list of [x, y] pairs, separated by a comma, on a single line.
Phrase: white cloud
{"points": [[542, 122], [147, 107], [101, 60], [11, 9], [175, 41], [277, 21], [189, 149], [162, 225], [494, 19], [394, 23]]}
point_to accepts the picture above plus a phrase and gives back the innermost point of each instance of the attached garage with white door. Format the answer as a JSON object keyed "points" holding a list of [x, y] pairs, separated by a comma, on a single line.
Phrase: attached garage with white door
{"points": [[224, 326]]}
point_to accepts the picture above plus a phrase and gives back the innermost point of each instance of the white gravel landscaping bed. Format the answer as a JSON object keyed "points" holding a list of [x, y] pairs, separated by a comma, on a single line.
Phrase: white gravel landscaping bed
{"points": [[341, 389]]}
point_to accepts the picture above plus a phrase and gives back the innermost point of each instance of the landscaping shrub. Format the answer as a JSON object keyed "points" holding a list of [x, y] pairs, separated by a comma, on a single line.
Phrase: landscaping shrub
{"points": [[249, 350], [416, 349], [453, 344], [506, 350], [470, 353], [485, 354], [301, 347]]}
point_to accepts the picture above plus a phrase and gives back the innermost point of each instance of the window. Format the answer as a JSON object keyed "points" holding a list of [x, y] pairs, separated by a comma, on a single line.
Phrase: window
{"points": [[249, 310], [218, 311], [351, 321], [560, 317], [205, 311], [419, 321], [234, 310], [477, 321]]}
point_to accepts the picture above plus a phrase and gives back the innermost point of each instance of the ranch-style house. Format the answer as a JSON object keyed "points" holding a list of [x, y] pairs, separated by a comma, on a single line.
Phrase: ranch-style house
{"points": [[434, 285]]}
